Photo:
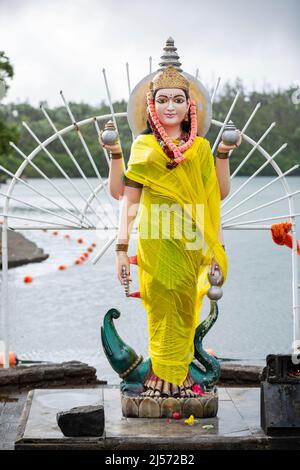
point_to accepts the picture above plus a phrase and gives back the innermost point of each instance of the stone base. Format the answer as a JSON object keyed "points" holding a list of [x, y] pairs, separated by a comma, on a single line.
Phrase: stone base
{"points": [[136, 406], [237, 426]]}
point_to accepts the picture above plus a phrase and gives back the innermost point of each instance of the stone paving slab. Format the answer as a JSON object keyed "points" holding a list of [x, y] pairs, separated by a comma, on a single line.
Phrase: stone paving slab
{"points": [[237, 425]]}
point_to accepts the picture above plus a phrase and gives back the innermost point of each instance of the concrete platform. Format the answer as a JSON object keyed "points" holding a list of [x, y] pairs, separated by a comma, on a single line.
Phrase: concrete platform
{"points": [[237, 425]]}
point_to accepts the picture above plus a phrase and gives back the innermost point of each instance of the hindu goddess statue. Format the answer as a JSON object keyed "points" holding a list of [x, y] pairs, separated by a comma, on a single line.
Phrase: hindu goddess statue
{"points": [[171, 172]]}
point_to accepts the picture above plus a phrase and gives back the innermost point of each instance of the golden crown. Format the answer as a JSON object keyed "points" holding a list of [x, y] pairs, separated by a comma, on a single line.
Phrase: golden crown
{"points": [[169, 78]]}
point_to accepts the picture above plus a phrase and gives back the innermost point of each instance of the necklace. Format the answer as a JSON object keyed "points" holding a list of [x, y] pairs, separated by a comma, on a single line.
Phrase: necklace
{"points": [[174, 152], [184, 137]]}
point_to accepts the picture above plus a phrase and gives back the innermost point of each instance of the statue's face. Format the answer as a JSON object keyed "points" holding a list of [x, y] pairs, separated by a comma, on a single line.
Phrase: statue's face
{"points": [[171, 106]]}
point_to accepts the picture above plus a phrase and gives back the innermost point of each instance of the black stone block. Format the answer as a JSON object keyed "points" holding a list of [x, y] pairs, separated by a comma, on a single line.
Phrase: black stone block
{"points": [[82, 421], [280, 396]]}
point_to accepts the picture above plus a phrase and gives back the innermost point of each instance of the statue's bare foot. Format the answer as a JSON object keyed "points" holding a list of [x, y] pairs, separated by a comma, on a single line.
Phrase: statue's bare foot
{"points": [[156, 387]]}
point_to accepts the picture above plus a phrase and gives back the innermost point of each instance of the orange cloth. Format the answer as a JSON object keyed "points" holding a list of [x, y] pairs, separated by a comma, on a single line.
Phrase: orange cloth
{"points": [[281, 236]]}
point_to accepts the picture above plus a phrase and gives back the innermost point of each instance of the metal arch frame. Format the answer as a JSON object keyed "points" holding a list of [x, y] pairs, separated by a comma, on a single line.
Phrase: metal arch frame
{"points": [[85, 224]]}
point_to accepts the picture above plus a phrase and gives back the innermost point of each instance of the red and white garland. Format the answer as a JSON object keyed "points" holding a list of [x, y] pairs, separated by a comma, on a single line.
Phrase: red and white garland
{"points": [[177, 150]]}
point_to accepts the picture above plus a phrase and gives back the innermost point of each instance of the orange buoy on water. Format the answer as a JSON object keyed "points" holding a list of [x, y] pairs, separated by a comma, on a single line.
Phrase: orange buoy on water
{"points": [[85, 254], [67, 235], [27, 279], [77, 261], [13, 360], [93, 245], [90, 250], [80, 240], [210, 351], [62, 267], [82, 257], [55, 232]]}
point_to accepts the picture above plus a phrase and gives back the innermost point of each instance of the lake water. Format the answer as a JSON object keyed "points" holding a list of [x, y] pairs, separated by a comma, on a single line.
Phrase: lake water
{"points": [[58, 316]]}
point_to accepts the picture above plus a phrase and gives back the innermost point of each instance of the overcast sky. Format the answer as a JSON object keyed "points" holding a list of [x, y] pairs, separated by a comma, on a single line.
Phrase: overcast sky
{"points": [[65, 44]]}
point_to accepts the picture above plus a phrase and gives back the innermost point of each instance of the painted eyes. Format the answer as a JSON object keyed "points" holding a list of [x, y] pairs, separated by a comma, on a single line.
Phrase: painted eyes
{"points": [[177, 100]]}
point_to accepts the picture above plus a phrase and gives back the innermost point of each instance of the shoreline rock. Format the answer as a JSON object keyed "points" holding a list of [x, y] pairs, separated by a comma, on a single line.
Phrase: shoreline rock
{"points": [[48, 376], [237, 374], [79, 373], [21, 250]]}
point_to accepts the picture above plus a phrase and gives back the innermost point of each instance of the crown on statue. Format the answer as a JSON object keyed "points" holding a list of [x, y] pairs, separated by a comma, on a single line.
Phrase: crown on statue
{"points": [[169, 78]]}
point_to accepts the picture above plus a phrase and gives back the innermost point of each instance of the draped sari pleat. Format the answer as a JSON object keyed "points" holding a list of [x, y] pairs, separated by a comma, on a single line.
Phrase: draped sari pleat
{"points": [[178, 225]]}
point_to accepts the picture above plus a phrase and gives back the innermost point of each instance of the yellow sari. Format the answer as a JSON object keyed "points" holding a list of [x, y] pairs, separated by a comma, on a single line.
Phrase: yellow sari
{"points": [[173, 263]]}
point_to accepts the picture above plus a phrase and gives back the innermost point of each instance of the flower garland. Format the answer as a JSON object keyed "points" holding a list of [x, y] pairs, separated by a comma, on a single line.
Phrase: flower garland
{"points": [[177, 150], [183, 138]]}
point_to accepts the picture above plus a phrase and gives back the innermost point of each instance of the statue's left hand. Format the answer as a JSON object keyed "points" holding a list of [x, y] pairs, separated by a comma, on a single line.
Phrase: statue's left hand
{"points": [[223, 148], [216, 270]]}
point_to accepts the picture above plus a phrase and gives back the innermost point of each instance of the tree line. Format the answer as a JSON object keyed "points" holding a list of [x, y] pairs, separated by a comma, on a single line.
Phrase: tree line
{"points": [[280, 106]]}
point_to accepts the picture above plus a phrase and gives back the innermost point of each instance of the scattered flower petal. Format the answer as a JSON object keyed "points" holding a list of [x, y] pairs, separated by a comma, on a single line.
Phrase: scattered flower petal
{"points": [[197, 389], [208, 426], [190, 420]]}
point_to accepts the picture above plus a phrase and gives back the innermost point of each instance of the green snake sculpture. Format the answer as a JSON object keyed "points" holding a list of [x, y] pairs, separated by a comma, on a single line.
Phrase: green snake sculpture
{"points": [[134, 370]]}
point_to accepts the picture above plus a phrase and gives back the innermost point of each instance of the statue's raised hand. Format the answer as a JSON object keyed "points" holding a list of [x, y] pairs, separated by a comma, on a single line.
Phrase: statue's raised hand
{"points": [[224, 148], [113, 148]]}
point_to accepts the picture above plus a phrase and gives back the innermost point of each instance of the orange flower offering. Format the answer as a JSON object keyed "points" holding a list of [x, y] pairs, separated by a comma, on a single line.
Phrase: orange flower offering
{"points": [[281, 236]]}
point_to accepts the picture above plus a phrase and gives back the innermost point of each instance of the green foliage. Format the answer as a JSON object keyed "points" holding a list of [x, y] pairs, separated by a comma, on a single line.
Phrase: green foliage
{"points": [[7, 131], [276, 106], [6, 69]]}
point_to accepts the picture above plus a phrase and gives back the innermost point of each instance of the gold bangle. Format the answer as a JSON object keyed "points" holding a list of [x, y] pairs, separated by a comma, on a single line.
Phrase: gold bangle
{"points": [[122, 247]]}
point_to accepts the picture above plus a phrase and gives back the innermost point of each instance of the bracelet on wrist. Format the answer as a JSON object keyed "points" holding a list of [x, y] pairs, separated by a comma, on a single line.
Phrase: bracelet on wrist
{"points": [[222, 155], [116, 156], [121, 247]]}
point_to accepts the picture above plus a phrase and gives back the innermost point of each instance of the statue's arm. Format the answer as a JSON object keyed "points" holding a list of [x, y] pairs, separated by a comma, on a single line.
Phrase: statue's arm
{"points": [[129, 208], [223, 175], [115, 177], [223, 167]]}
